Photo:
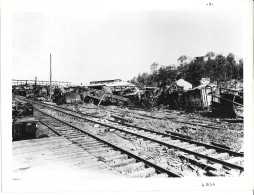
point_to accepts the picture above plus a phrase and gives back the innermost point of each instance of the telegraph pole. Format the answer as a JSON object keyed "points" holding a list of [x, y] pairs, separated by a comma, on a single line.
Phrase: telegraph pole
{"points": [[50, 79]]}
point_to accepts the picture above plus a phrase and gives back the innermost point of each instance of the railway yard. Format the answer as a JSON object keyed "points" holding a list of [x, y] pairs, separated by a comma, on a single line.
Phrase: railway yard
{"points": [[115, 140]]}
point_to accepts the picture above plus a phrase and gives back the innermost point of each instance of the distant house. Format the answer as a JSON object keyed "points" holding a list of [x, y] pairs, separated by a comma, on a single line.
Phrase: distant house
{"points": [[210, 56], [183, 60]]}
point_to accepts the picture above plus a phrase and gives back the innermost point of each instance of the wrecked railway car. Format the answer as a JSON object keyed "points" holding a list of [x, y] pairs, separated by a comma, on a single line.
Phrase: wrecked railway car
{"points": [[41, 91], [59, 97], [98, 93], [67, 98], [22, 91], [228, 102]]}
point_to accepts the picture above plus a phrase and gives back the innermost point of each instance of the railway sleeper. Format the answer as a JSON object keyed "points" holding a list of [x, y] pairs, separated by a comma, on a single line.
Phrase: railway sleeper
{"points": [[221, 156], [51, 148], [183, 144], [159, 137], [131, 167], [90, 143], [166, 139], [121, 162], [121, 156], [110, 140], [142, 173], [188, 146], [235, 160], [78, 138], [214, 173], [77, 133], [96, 167], [60, 128], [150, 136], [101, 150], [81, 138], [62, 156], [92, 165], [208, 152], [199, 163], [71, 136], [88, 147], [197, 148], [87, 163], [173, 142], [108, 154]]}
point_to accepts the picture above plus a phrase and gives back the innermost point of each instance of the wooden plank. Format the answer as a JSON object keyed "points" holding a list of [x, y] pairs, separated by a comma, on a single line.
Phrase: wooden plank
{"points": [[39, 144], [64, 159], [37, 149], [18, 144], [48, 159]]}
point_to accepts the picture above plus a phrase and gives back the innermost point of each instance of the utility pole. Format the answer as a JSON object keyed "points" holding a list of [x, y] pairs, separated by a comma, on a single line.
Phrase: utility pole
{"points": [[50, 80]]}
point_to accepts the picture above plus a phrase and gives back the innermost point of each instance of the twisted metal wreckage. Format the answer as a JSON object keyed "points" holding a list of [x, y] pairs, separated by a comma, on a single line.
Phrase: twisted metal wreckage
{"points": [[223, 99]]}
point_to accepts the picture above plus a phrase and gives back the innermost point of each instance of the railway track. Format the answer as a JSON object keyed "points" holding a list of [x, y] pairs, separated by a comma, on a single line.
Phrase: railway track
{"points": [[207, 157], [176, 119]]}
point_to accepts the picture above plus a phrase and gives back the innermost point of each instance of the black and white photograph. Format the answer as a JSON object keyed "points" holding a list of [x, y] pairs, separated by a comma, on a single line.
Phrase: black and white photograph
{"points": [[109, 95]]}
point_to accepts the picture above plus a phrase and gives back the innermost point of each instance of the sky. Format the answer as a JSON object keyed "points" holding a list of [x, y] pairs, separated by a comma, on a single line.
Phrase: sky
{"points": [[87, 46]]}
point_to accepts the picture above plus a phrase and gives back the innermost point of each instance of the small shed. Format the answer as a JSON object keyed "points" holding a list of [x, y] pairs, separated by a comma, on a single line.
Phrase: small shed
{"points": [[199, 97], [184, 84]]}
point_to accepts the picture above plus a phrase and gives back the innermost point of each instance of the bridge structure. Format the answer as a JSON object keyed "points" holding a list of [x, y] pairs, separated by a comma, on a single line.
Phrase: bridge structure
{"points": [[38, 82]]}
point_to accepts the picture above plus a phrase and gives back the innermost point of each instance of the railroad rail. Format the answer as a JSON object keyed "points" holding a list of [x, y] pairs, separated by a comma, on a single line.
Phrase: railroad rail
{"points": [[178, 142], [116, 157], [178, 120]]}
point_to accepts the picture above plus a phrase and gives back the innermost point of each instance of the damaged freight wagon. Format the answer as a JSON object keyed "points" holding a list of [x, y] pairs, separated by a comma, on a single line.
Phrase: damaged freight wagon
{"points": [[227, 99]]}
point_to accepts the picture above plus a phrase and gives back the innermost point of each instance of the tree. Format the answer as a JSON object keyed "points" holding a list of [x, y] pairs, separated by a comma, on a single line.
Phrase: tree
{"points": [[230, 66], [220, 69], [166, 76], [195, 71]]}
